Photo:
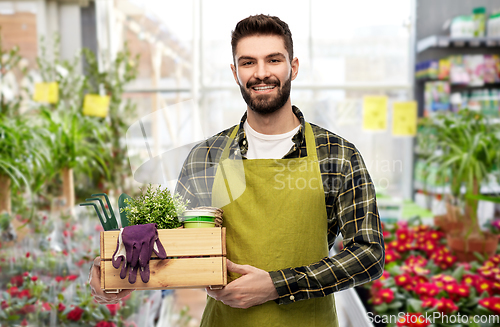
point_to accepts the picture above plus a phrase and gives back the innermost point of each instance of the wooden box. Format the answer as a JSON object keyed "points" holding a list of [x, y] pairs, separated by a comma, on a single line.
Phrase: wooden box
{"points": [[196, 259]]}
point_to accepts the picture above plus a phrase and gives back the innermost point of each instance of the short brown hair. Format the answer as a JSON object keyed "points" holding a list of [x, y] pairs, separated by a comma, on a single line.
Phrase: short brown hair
{"points": [[264, 25]]}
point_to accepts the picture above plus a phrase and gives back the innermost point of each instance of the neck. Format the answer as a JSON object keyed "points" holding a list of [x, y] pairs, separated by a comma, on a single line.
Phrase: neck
{"points": [[281, 121]]}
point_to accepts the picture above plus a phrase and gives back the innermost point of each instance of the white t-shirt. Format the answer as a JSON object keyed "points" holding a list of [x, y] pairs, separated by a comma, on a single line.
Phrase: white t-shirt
{"points": [[263, 146]]}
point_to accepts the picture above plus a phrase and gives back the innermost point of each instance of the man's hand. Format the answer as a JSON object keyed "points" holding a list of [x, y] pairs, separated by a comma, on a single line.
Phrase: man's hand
{"points": [[254, 287], [95, 285]]}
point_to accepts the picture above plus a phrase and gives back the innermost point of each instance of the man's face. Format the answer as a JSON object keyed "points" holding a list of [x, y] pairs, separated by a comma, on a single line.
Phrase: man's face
{"points": [[263, 72]]}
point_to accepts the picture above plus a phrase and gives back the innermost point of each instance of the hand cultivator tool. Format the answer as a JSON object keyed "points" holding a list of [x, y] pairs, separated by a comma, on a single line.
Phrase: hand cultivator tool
{"points": [[110, 223]]}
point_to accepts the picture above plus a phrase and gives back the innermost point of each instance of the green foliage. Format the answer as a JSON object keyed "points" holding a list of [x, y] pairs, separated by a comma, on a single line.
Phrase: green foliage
{"points": [[465, 147], [155, 206], [111, 80]]}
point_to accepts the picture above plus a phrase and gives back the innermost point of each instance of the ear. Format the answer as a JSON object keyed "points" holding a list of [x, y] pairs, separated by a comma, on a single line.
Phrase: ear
{"points": [[295, 67], [235, 74]]}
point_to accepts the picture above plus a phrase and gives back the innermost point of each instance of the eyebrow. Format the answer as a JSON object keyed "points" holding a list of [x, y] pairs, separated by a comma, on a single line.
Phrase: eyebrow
{"points": [[275, 54]]}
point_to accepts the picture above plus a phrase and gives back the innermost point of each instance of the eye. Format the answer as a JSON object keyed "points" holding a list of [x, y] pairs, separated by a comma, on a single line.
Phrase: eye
{"points": [[274, 60], [246, 63]]}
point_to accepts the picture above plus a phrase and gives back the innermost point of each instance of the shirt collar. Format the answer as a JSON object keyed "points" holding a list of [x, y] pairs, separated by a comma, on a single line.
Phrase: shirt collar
{"points": [[297, 139]]}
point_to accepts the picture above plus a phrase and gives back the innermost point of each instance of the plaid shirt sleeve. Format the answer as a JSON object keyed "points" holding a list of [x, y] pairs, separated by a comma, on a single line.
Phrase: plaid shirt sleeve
{"points": [[363, 254]]}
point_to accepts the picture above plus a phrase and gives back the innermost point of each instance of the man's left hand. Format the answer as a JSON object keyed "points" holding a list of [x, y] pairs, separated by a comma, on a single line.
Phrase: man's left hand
{"points": [[254, 287]]}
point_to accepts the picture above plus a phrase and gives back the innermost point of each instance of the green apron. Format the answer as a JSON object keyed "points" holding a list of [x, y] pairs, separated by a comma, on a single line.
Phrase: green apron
{"points": [[276, 219]]}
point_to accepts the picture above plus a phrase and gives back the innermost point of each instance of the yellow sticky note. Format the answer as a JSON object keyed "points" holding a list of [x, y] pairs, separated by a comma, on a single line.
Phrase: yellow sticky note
{"points": [[404, 118], [46, 92], [95, 105], [374, 113]]}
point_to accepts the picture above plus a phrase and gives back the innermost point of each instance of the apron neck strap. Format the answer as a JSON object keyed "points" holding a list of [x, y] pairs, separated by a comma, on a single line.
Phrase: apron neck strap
{"points": [[310, 143]]}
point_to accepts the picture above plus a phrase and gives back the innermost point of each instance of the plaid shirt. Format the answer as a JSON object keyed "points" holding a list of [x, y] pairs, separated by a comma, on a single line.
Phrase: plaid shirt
{"points": [[350, 204]]}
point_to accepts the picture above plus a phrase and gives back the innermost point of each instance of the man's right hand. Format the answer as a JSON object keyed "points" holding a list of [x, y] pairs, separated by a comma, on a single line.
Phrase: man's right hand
{"points": [[99, 295]]}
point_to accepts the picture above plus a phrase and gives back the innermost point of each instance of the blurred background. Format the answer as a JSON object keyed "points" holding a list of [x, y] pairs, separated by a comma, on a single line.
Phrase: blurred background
{"points": [[93, 90]]}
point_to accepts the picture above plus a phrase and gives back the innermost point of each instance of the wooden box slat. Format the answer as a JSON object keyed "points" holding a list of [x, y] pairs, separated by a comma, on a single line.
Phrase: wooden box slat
{"points": [[170, 273], [199, 260], [177, 242]]}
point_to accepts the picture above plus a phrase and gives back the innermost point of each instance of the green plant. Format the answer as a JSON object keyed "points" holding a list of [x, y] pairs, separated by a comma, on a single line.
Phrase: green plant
{"points": [[24, 153], [155, 206], [466, 148], [111, 81]]}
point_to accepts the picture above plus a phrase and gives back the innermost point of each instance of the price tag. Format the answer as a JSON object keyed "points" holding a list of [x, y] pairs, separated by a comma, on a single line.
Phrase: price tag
{"points": [[374, 113], [95, 105], [46, 92], [404, 118]]}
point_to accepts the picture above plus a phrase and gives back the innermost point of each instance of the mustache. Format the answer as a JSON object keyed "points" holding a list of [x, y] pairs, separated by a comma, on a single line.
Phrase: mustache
{"points": [[267, 81]]}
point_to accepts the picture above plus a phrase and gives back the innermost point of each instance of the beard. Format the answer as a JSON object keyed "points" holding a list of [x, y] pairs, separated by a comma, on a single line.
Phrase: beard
{"points": [[262, 103]]}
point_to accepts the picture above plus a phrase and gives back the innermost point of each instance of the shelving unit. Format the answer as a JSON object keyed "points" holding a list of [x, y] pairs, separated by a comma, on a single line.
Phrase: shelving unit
{"points": [[439, 41], [431, 46]]}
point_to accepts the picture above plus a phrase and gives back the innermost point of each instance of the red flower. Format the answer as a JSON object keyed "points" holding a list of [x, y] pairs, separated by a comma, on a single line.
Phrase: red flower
{"points": [[491, 303], [4, 305], [113, 308], [28, 308], [24, 293], [46, 306], [34, 278], [24, 322], [426, 290], [387, 295], [13, 291], [446, 306], [413, 320], [105, 324], [383, 296], [71, 277], [75, 314], [391, 256], [484, 285], [65, 252], [59, 279], [17, 281], [403, 235], [470, 279], [28, 254], [61, 307], [461, 290], [403, 280], [377, 285], [430, 302]]}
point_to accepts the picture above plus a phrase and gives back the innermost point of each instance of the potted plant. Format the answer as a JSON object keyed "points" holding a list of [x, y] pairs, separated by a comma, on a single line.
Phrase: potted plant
{"points": [[77, 142], [155, 205], [466, 151], [23, 150]]}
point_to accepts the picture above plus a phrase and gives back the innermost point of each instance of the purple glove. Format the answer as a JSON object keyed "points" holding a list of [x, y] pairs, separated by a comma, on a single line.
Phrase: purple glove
{"points": [[134, 247]]}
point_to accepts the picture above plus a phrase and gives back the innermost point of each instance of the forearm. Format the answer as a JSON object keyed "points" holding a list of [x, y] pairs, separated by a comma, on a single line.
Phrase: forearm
{"points": [[358, 263]]}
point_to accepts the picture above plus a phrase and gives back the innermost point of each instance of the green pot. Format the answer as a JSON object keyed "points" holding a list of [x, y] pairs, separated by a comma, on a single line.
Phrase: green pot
{"points": [[199, 218], [198, 224]]}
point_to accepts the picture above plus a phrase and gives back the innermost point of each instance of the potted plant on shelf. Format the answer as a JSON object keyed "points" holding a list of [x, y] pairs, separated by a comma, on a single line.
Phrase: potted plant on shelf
{"points": [[23, 152], [466, 149], [77, 142]]}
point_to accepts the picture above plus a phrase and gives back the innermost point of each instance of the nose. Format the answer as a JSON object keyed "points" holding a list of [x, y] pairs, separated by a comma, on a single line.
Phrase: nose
{"points": [[261, 71]]}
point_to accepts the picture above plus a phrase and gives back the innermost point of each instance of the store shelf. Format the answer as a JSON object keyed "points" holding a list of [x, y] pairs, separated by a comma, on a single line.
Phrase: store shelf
{"points": [[438, 41]]}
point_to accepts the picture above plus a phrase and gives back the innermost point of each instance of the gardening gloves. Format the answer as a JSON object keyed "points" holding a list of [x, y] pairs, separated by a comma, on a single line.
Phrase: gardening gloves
{"points": [[134, 247]]}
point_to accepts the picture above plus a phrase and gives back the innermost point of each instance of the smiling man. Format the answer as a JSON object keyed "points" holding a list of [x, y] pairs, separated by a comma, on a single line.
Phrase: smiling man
{"points": [[302, 186], [287, 188]]}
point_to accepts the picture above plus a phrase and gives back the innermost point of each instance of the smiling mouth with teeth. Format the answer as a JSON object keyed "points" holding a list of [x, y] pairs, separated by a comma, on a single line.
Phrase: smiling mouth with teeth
{"points": [[261, 88]]}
